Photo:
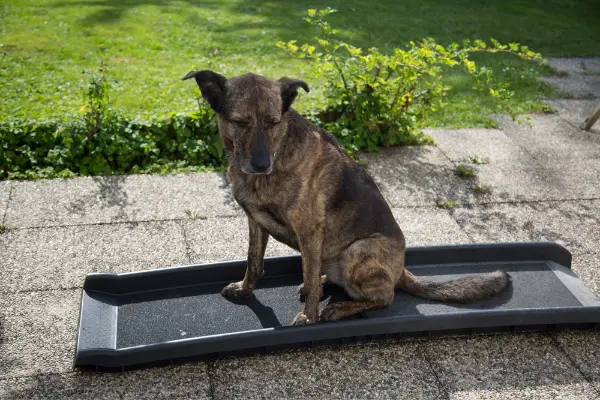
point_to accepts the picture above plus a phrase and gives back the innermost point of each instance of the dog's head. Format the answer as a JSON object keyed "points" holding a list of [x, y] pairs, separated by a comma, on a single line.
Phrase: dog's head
{"points": [[251, 112]]}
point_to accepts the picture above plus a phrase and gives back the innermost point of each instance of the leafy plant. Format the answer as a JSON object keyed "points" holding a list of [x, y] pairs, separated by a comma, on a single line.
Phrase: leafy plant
{"points": [[377, 99], [97, 100], [476, 160], [62, 148], [2, 229], [482, 190], [446, 204], [465, 171]]}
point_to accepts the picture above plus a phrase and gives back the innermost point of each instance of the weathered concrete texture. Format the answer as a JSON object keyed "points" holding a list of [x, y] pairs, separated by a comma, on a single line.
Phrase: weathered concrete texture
{"points": [[577, 65], [38, 332], [44, 317], [506, 367], [420, 175], [224, 239], [4, 194], [584, 349], [382, 371], [52, 258], [577, 111], [227, 238], [581, 86], [587, 267], [490, 144], [30, 357], [182, 382], [429, 226], [575, 225], [551, 138], [562, 179], [118, 198], [58, 386]]}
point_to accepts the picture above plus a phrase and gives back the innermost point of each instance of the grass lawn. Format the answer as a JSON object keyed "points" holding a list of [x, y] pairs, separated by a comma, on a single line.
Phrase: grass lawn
{"points": [[150, 44]]}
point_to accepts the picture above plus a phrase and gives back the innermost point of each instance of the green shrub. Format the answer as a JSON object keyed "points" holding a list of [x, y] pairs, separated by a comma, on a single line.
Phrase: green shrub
{"points": [[378, 99], [34, 149]]}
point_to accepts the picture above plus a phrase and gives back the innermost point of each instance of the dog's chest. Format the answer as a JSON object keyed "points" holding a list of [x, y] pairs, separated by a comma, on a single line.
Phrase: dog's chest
{"points": [[266, 204]]}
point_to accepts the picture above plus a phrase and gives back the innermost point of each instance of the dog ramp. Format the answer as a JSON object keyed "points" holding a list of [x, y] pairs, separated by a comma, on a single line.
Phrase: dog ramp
{"points": [[174, 314]]}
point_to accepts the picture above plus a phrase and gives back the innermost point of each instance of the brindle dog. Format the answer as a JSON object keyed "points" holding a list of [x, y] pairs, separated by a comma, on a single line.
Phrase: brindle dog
{"points": [[297, 184]]}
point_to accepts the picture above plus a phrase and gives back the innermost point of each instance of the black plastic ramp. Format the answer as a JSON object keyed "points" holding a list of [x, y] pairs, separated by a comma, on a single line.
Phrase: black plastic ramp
{"points": [[178, 313]]}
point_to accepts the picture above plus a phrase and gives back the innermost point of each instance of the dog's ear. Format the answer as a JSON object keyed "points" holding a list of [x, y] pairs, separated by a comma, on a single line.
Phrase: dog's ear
{"points": [[212, 86], [289, 91]]}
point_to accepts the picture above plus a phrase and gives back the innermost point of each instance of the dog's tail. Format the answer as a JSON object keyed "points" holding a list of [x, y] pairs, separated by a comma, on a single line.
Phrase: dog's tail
{"points": [[461, 290]]}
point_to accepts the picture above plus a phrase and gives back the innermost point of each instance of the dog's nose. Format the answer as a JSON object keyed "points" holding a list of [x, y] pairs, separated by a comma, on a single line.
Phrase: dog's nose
{"points": [[261, 163]]}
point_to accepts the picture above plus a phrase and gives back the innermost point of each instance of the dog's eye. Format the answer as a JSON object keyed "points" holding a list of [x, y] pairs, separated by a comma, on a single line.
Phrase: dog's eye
{"points": [[274, 122], [241, 124]]}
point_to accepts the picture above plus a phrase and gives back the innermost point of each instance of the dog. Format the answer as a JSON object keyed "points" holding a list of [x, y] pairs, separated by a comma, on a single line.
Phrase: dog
{"points": [[296, 183]]}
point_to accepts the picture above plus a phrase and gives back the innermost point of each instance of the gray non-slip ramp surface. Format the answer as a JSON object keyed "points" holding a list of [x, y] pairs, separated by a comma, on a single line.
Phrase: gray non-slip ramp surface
{"points": [[169, 314]]}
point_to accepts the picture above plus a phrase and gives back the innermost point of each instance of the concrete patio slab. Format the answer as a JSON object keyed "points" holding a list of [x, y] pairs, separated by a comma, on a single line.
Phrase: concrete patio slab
{"points": [[576, 65], [117, 199], [575, 225], [25, 358], [54, 258], [564, 179], [551, 137], [382, 371], [491, 144], [584, 351], [576, 111], [4, 194], [506, 367], [179, 382], [44, 317], [222, 239], [581, 86], [409, 176], [38, 332], [587, 267], [428, 226], [57, 386]]}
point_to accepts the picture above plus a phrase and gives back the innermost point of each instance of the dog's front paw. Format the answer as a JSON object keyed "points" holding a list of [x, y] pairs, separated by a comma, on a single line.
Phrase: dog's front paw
{"points": [[236, 291], [302, 319], [332, 312]]}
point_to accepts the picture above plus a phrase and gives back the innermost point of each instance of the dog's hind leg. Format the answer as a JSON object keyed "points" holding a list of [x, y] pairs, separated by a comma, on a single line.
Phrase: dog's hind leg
{"points": [[370, 271], [254, 269]]}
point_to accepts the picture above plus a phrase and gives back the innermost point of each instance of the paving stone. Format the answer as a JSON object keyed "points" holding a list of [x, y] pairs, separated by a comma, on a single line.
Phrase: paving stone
{"points": [[38, 332], [576, 65], [221, 239], [188, 381], [382, 371], [4, 194], [587, 267], [552, 138], [563, 179], [28, 357], [575, 225], [429, 226], [57, 386], [42, 317], [54, 258], [418, 175], [579, 86], [491, 144], [576, 112], [118, 198], [584, 349], [506, 367]]}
